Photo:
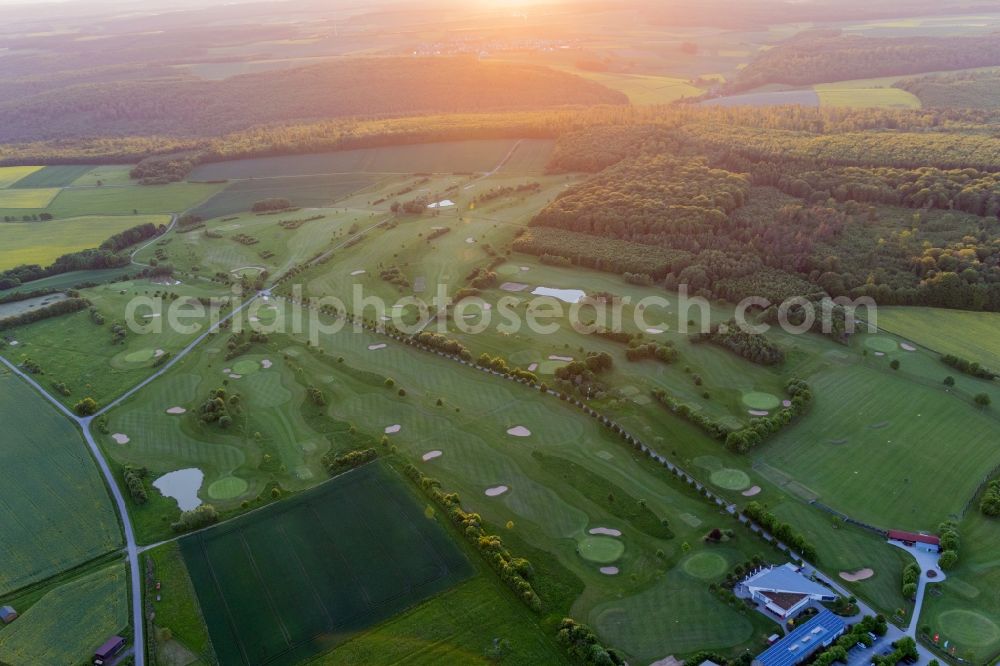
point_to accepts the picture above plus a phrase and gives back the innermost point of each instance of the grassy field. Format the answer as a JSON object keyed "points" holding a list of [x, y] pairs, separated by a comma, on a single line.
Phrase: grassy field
{"points": [[455, 627], [970, 335], [68, 623], [353, 552], [73, 349], [865, 93], [28, 198], [965, 608], [177, 609], [865, 419], [60, 512], [303, 191], [10, 175], [42, 242]]}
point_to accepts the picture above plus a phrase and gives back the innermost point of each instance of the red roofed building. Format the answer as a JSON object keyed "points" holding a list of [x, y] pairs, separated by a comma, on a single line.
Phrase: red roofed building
{"points": [[925, 542]]}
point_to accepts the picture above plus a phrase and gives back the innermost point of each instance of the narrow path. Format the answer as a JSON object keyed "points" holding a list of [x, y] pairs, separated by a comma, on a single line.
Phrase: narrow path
{"points": [[173, 222], [132, 548]]}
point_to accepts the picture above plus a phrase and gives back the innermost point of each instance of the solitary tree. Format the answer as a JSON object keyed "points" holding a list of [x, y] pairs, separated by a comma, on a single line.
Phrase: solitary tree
{"points": [[982, 400]]}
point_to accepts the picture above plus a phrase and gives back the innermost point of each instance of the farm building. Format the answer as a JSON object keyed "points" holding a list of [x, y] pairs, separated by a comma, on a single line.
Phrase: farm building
{"points": [[783, 590], [925, 542], [7, 614], [818, 633], [111, 647]]}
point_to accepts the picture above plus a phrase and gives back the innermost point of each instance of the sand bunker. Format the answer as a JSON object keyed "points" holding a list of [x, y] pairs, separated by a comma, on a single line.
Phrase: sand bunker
{"points": [[14, 343], [496, 490], [431, 455], [381, 345], [757, 412], [606, 531], [519, 431], [470, 240], [226, 371], [907, 346], [855, 576], [654, 331], [233, 375], [786, 403], [532, 367], [880, 353], [609, 571], [444, 203], [176, 410], [266, 363], [525, 268], [389, 430], [513, 286], [750, 492], [158, 353], [120, 438], [553, 357], [564, 295], [360, 271]]}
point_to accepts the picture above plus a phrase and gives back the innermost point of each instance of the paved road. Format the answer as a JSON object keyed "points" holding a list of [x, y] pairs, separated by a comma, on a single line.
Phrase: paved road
{"points": [[132, 549]]}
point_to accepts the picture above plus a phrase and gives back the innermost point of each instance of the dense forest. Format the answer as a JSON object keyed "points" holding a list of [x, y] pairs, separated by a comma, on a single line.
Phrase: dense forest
{"points": [[823, 56], [352, 87], [728, 225], [973, 90]]}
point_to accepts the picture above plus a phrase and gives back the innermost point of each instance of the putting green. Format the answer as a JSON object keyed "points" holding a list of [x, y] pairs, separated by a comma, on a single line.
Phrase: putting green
{"points": [[705, 565], [550, 367], [140, 356], [600, 549], [246, 367], [227, 487], [968, 628], [881, 343], [730, 479], [267, 315], [761, 400]]}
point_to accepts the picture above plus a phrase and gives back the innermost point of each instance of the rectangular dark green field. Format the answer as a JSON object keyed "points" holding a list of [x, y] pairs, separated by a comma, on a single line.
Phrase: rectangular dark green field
{"points": [[298, 578]]}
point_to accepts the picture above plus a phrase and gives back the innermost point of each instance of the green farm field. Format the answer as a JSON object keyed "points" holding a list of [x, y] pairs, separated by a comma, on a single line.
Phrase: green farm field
{"points": [[29, 199], [59, 509], [525, 156], [352, 552], [54, 176], [111, 200], [70, 621], [42, 242], [12, 174]]}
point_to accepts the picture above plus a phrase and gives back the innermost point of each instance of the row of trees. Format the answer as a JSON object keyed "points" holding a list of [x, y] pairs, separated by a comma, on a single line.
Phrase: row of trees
{"points": [[782, 531], [825, 56], [515, 572], [989, 504], [754, 347], [57, 309], [968, 367]]}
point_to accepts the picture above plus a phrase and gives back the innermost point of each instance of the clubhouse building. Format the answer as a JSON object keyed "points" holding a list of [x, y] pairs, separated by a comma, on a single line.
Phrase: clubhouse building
{"points": [[814, 635], [783, 590], [925, 542]]}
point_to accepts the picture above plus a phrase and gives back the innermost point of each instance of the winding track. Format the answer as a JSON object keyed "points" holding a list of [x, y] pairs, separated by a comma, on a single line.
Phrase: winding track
{"points": [[132, 549]]}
